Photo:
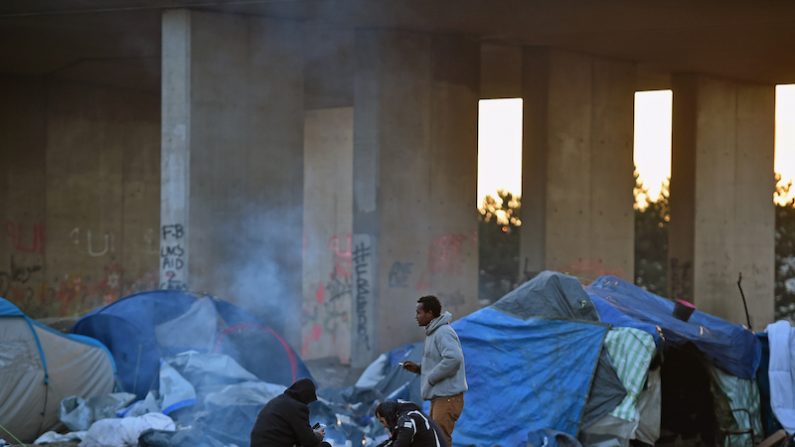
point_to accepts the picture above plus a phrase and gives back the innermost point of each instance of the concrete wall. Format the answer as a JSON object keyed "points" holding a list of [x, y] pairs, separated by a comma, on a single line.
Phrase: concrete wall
{"points": [[243, 122], [80, 194], [415, 168], [577, 165], [328, 224], [500, 71], [722, 221]]}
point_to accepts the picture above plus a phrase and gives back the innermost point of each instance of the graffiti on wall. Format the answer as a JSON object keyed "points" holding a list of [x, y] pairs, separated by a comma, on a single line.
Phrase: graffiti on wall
{"points": [[96, 243], [326, 316], [172, 257], [23, 279], [446, 257], [70, 293], [362, 257], [399, 274], [24, 238]]}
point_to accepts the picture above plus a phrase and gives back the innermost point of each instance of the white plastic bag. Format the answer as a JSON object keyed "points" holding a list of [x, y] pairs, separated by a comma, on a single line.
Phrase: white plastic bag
{"points": [[124, 432]]}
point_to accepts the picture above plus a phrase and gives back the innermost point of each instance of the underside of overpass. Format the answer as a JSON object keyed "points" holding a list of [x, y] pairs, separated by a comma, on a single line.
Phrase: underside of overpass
{"points": [[277, 152]]}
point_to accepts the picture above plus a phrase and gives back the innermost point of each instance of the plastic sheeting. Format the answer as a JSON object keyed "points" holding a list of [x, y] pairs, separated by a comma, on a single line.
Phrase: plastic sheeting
{"points": [[124, 432], [729, 346], [782, 380], [524, 376], [554, 295], [631, 351], [738, 394], [650, 409], [134, 327], [78, 414]]}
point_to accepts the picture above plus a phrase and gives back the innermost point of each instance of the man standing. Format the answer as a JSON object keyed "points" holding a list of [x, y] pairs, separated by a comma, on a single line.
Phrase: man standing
{"points": [[442, 377]]}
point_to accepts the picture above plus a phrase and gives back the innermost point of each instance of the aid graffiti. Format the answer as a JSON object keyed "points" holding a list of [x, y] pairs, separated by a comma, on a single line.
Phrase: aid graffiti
{"points": [[173, 272]]}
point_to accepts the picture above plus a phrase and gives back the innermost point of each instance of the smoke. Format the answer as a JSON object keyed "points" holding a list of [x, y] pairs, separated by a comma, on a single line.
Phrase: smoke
{"points": [[259, 263]]}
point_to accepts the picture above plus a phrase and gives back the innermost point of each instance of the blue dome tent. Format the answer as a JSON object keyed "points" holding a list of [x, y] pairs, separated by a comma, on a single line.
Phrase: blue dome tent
{"points": [[142, 328]]}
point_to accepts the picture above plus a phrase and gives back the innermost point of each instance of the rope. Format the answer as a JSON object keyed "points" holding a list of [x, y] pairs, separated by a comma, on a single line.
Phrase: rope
{"points": [[12, 435]]}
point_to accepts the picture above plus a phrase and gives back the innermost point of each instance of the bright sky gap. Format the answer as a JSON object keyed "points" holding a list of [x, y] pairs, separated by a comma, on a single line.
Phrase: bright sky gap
{"points": [[500, 141], [499, 147], [785, 138], [652, 153]]}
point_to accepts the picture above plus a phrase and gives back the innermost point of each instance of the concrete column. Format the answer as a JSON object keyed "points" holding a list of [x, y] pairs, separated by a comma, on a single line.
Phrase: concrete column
{"points": [[722, 215], [233, 161], [577, 165], [415, 163], [328, 224], [175, 150]]}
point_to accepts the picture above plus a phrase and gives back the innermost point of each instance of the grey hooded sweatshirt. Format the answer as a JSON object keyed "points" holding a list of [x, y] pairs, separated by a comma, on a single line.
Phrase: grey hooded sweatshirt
{"points": [[442, 360]]}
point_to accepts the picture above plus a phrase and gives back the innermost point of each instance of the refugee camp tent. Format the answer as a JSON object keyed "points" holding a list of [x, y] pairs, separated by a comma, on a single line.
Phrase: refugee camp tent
{"points": [[40, 366], [142, 328], [708, 369], [525, 376], [534, 363], [554, 295], [729, 346]]}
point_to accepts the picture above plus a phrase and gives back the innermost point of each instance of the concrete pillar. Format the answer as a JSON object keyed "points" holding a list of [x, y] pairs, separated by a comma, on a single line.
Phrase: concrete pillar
{"points": [[175, 149], [232, 156], [577, 165], [722, 215], [415, 178], [328, 224]]}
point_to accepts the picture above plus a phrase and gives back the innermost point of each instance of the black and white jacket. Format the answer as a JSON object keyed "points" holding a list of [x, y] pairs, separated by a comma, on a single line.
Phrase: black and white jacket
{"points": [[416, 430]]}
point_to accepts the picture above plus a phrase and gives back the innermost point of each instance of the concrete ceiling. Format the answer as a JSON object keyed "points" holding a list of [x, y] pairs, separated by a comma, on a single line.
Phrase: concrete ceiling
{"points": [[744, 40]]}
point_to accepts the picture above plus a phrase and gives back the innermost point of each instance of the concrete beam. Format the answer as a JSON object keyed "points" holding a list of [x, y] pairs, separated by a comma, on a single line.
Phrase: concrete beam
{"points": [[577, 164], [415, 162], [500, 71], [722, 214]]}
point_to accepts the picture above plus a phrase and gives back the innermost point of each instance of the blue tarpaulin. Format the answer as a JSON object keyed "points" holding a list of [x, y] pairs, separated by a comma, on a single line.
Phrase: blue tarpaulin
{"points": [[729, 346], [129, 328], [524, 376]]}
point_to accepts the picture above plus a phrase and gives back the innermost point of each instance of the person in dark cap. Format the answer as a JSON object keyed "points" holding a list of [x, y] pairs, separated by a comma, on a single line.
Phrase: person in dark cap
{"points": [[284, 421], [408, 426]]}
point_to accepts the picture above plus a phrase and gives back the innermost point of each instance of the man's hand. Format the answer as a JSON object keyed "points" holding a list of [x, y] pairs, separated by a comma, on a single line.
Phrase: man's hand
{"points": [[408, 365], [321, 432]]}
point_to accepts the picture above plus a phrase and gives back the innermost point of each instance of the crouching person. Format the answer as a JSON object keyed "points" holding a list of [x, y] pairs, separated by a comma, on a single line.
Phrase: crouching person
{"points": [[408, 426], [284, 421]]}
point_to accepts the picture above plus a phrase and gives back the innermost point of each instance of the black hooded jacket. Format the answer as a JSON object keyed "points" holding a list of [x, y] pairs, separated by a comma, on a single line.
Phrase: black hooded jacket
{"points": [[409, 426], [284, 421]]}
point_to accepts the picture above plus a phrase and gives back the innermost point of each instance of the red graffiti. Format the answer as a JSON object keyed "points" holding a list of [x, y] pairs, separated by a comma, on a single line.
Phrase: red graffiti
{"points": [[316, 333], [340, 246], [445, 254], [16, 234]]}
